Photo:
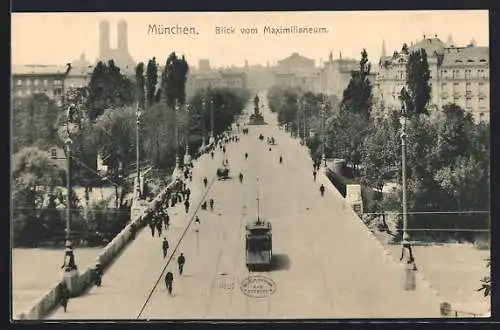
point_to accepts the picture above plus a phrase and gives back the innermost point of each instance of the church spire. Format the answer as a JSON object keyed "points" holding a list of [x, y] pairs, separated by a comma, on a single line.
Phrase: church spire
{"points": [[450, 42], [383, 53]]}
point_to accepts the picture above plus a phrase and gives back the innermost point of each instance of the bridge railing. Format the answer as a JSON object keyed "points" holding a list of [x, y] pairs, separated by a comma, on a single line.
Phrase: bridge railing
{"points": [[44, 305]]}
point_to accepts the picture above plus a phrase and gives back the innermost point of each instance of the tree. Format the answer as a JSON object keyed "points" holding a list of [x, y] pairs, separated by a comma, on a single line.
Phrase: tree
{"points": [[108, 88], [173, 83], [151, 81], [35, 182], [486, 281], [381, 153], [357, 97], [139, 79], [34, 123], [417, 96], [114, 133]]}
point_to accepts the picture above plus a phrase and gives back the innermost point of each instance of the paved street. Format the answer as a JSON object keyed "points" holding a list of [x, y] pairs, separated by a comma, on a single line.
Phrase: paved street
{"points": [[327, 264]]}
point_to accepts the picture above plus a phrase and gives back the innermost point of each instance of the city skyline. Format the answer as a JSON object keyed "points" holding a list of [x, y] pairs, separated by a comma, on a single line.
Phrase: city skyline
{"points": [[368, 29]]}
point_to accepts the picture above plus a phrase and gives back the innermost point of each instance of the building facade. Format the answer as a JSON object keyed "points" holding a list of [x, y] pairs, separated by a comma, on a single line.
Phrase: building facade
{"points": [[458, 75], [296, 71], [215, 78], [35, 79]]}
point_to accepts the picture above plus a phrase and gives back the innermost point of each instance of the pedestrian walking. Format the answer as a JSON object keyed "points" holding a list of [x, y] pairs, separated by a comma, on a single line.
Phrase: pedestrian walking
{"points": [[190, 177], [246, 155], [164, 247], [152, 227], [97, 274], [314, 174], [211, 204], [181, 261], [205, 181], [159, 226], [197, 224], [204, 205], [186, 206], [281, 159], [166, 220], [188, 193], [322, 190], [212, 154], [241, 177], [169, 279], [64, 296]]}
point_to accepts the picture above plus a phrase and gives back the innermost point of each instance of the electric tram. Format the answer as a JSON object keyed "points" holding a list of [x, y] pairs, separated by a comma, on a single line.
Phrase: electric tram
{"points": [[259, 252], [258, 242]]}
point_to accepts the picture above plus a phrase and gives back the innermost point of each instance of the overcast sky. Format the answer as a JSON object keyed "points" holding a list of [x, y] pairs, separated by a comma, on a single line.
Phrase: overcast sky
{"points": [[58, 38]]}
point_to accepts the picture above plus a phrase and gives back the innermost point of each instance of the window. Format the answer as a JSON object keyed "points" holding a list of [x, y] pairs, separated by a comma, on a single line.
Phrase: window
{"points": [[19, 82], [456, 84], [28, 82], [53, 153], [481, 116], [35, 82], [19, 93], [46, 82], [467, 74], [443, 85]]}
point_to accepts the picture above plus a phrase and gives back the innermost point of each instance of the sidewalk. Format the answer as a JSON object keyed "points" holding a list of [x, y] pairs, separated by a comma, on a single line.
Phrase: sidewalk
{"points": [[133, 275]]}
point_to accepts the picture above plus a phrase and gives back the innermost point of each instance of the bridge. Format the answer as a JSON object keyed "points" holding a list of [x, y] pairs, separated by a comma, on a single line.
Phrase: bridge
{"points": [[327, 264]]}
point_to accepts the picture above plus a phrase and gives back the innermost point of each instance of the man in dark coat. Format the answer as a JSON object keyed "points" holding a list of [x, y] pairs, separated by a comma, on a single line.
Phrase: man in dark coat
{"points": [[64, 296], [186, 205], [164, 246], [169, 278], [181, 260]]}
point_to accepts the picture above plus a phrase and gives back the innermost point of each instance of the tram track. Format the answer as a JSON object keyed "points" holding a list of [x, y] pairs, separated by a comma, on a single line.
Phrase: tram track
{"points": [[198, 206]]}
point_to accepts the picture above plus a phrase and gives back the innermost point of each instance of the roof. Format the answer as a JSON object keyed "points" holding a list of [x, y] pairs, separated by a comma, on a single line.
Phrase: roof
{"points": [[430, 45], [263, 224], [295, 57], [466, 56], [81, 71], [36, 69]]}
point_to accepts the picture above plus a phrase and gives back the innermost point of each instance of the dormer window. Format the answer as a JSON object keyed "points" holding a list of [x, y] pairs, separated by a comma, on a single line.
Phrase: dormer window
{"points": [[482, 60], [470, 61], [458, 61]]}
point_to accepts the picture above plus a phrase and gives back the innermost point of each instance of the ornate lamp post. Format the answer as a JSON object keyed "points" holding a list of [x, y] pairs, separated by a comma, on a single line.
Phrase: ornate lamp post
{"points": [[187, 157], [69, 266], [211, 140], [408, 260], [138, 114], [176, 131], [203, 123], [403, 171], [323, 110]]}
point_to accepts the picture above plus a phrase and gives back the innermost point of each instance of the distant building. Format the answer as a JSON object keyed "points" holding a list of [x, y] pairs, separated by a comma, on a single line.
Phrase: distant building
{"points": [[204, 65], [219, 78], [119, 55], [80, 73], [34, 79], [296, 71], [259, 77], [335, 75], [458, 75]]}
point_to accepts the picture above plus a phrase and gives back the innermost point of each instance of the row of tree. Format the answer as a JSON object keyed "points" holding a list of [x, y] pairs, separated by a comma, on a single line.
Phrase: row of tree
{"points": [[447, 152], [102, 121]]}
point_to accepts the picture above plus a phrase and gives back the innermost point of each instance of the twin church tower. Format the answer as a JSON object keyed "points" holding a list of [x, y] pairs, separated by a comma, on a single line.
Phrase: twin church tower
{"points": [[120, 55]]}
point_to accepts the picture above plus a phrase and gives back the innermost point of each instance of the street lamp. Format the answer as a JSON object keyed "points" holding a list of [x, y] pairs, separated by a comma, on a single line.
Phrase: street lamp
{"points": [[138, 114], [176, 131], [403, 171], [323, 110], [211, 140], [203, 123], [187, 157], [409, 261]]}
